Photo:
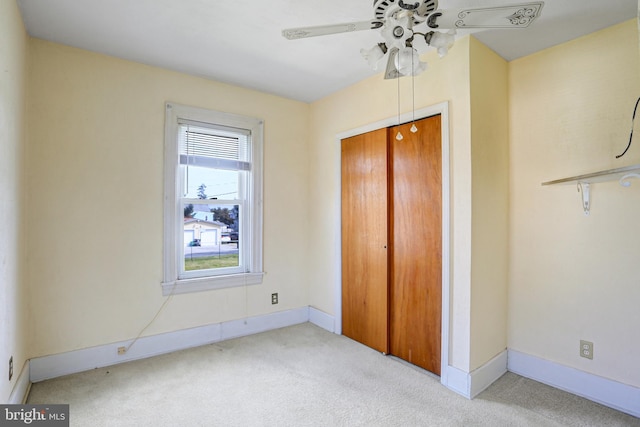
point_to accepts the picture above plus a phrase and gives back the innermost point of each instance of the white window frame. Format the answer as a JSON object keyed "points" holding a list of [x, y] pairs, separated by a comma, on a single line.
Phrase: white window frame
{"points": [[173, 283]]}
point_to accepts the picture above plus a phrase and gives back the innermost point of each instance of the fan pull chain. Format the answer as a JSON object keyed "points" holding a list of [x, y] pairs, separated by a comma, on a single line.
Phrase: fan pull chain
{"points": [[399, 136], [414, 129]]}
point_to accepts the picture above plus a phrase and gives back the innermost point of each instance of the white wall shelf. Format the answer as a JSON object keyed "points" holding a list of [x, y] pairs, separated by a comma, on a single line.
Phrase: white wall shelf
{"points": [[602, 176], [622, 175]]}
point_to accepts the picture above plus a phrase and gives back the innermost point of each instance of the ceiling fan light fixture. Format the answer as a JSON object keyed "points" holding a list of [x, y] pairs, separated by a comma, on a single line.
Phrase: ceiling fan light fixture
{"points": [[408, 62], [441, 41], [374, 55], [396, 32]]}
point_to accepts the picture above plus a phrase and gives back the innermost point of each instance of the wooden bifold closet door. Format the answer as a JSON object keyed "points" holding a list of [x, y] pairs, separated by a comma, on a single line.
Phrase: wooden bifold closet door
{"points": [[364, 239], [391, 241]]}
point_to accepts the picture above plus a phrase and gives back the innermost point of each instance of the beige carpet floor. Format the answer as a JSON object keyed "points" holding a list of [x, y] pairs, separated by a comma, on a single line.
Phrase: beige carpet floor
{"points": [[303, 376]]}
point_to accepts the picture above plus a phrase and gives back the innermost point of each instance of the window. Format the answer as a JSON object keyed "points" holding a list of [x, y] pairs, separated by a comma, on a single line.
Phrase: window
{"points": [[213, 200]]}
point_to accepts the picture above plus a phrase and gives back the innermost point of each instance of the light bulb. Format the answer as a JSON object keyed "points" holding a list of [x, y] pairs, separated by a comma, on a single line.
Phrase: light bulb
{"points": [[408, 62]]}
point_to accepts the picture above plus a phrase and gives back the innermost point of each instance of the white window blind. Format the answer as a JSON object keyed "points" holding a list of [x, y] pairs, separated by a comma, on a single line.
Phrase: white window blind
{"points": [[216, 147]]}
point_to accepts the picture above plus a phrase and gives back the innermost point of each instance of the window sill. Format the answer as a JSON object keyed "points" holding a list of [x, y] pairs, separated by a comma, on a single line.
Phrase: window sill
{"points": [[200, 284]]}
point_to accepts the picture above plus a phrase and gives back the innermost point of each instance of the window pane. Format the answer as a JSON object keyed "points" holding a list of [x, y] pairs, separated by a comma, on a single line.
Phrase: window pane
{"points": [[211, 236], [206, 183]]}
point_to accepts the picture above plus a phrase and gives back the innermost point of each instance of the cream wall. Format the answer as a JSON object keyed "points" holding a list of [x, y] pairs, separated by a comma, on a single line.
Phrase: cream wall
{"points": [[490, 201], [95, 156], [367, 102], [573, 276], [13, 293]]}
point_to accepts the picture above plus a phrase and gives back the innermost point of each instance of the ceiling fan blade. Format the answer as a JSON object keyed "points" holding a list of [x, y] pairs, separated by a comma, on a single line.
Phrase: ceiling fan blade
{"points": [[512, 16], [323, 30]]}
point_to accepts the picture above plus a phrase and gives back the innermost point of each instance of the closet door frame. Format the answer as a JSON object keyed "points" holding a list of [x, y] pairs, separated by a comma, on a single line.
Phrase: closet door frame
{"points": [[443, 110]]}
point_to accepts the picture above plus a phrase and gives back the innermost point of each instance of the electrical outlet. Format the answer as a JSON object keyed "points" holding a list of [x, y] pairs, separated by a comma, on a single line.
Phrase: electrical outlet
{"points": [[10, 368], [122, 350], [586, 349], [274, 298]]}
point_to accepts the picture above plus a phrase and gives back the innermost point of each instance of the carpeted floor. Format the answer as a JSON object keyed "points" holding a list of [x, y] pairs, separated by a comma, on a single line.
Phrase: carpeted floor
{"points": [[303, 376]]}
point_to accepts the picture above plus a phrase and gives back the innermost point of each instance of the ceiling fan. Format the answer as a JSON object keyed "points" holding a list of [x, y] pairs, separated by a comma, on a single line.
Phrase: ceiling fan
{"points": [[399, 24]]}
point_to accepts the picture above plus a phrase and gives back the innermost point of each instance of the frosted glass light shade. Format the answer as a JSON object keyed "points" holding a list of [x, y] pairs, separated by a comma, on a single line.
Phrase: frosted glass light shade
{"points": [[372, 56], [443, 41], [408, 62]]}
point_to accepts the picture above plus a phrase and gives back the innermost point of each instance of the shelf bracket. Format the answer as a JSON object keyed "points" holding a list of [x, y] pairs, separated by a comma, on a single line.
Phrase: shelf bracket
{"points": [[622, 175], [624, 182], [583, 187]]}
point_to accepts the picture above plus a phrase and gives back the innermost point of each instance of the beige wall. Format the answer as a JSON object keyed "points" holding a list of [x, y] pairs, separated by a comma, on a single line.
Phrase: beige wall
{"points": [[490, 201], [473, 79], [95, 154], [573, 276], [367, 102], [13, 293]]}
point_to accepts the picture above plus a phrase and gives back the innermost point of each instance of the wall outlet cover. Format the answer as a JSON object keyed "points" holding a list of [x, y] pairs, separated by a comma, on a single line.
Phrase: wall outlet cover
{"points": [[586, 349]]}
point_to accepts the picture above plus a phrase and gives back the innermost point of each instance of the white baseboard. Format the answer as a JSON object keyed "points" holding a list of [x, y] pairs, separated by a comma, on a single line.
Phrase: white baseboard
{"points": [[322, 319], [47, 367], [607, 392], [457, 380], [21, 389], [610, 393], [487, 374], [471, 384], [267, 322]]}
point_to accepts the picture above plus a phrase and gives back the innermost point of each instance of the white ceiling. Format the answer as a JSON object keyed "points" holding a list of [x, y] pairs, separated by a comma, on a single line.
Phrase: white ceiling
{"points": [[240, 41]]}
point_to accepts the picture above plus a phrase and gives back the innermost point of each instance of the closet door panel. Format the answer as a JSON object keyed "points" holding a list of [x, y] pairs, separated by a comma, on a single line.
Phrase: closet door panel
{"points": [[364, 239], [416, 250]]}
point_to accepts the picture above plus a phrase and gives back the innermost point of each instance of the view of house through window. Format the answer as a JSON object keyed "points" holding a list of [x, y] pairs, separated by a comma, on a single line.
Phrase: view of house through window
{"points": [[214, 164], [213, 199], [211, 236]]}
